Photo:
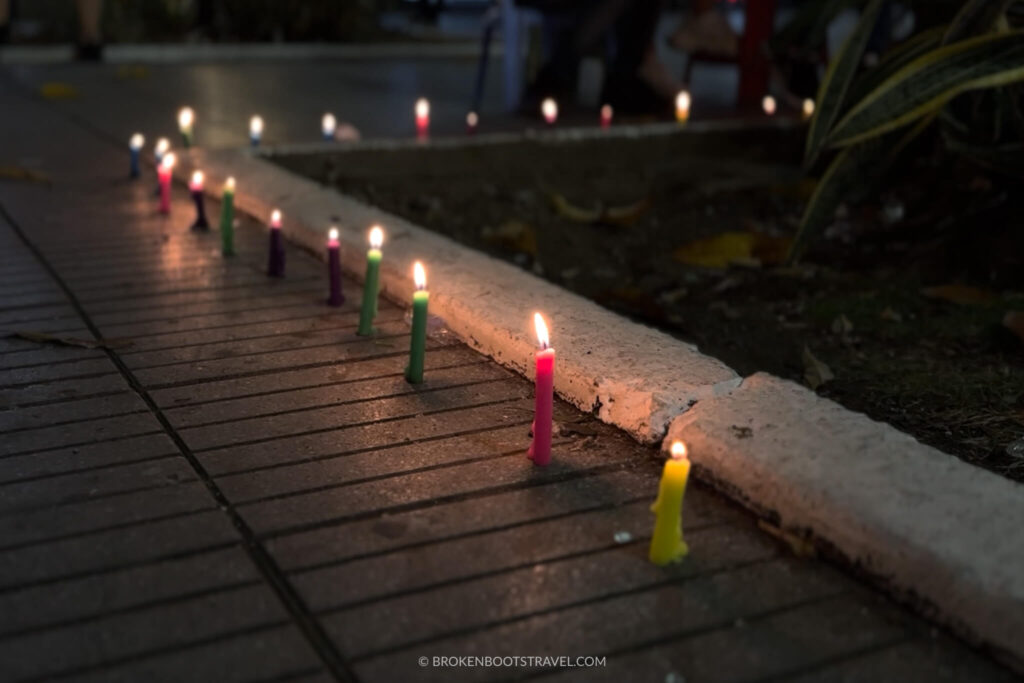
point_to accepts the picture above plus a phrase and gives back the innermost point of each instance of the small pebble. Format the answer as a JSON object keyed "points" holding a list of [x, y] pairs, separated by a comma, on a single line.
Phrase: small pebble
{"points": [[623, 537]]}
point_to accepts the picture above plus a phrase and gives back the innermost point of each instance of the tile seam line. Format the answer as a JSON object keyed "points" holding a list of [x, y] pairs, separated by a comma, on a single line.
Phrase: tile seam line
{"points": [[275, 578]]}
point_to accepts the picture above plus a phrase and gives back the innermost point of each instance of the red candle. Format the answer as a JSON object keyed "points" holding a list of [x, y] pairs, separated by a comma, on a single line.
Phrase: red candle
{"points": [[422, 118], [164, 176], [540, 448], [606, 116], [549, 110]]}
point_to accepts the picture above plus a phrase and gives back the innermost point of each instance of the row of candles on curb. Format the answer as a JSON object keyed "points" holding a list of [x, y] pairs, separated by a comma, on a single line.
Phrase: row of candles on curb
{"points": [[667, 544], [329, 124]]}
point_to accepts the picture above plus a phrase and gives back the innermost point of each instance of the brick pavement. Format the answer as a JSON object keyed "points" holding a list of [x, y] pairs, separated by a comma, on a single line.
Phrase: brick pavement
{"points": [[239, 488]]}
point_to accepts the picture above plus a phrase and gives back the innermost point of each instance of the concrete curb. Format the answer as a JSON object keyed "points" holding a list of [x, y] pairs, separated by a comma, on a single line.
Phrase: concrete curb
{"points": [[173, 53], [629, 375], [939, 532]]}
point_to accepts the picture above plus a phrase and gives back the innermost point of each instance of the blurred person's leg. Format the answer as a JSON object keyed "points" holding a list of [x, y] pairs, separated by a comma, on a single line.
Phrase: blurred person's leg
{"points": [[705, 30], [637, 81], [90, 44], [5, 21]]}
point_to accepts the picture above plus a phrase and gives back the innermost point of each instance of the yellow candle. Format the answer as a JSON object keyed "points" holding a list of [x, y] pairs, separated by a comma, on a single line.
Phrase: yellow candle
{"points": [[667, 544], [683, 106]]}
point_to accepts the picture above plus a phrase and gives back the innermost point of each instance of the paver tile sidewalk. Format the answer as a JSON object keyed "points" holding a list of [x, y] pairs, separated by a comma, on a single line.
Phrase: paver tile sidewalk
{"points": [[239, 488]]}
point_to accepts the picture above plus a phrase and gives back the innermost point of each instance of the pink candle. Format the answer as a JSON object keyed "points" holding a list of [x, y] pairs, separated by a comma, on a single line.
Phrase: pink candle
{"points": [[422, 118], [164, 176], [549, 110], [606, 116], [540, 448], [471, 122]]}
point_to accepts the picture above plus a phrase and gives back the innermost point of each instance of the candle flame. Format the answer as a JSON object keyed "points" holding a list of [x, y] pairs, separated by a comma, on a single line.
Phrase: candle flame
{"points": [[678, 450], [683, 101], [549, 109], [472, 119], [162, 145], [229, 184], [197, 179], [769, 105], [167, 163], [275, 219], [137, 141], [808, 108], [607, 112], [377, 238], [419, 276], [328, 123], [542, 330], [185, 118], [332, 234], [422, 108], [256, 125]]}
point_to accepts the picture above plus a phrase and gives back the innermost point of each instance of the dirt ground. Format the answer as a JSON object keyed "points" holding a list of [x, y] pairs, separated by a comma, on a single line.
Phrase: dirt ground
{"points": [[885, 315]]}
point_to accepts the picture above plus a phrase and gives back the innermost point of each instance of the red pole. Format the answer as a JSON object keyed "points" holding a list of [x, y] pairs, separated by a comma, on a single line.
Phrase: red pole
{"points": [[754, 67]]}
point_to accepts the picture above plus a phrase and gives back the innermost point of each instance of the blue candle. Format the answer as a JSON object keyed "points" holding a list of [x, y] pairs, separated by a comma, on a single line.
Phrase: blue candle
{"points": [[255, 130], [135, 145], [328, 125]]}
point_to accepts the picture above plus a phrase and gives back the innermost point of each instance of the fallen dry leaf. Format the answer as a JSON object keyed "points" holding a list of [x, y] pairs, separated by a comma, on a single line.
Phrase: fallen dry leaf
{"points": [[801, 547], [842, 325], [728, 248], [622, 216], [27, 175], [816, 373], [513, 235], [890, 315], [960, 294], [58, 91]]}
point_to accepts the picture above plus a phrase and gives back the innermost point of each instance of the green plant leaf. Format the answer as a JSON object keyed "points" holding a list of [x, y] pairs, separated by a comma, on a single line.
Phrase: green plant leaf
{"points": [[853, 173], [837, 81], [976, 16], [930, 81], [894, 60]]}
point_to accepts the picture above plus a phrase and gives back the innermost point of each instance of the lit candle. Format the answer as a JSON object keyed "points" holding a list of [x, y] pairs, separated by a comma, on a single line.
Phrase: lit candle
{"points": [[418, 343], [422, 118], [472, 120], [195, 186], [186, 117], [540, 447], [161, 148], [227, 218], [683, 106], [808, 108], [134, 145], [549, 110], [368, 311], [768, 104], [328, 124], [334, 296], [667, 544], [606, 116], [275, 265], [164, 178], [255, 130]]}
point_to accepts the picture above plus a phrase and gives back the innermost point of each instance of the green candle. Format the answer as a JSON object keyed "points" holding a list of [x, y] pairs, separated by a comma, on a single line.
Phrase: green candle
{"points": [[414, 371], [185, 119], [227, 218], [368, 311]]}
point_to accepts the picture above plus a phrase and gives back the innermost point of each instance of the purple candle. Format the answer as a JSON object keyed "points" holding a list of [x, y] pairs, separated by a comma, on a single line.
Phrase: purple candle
{"points": [[275, 267], [335, 297], [196, 188]]}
